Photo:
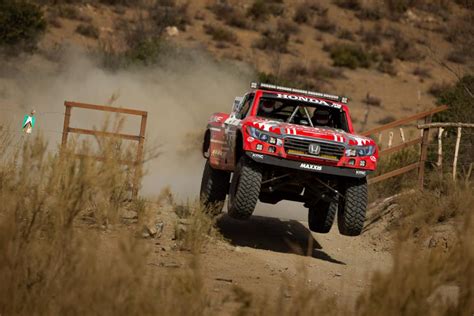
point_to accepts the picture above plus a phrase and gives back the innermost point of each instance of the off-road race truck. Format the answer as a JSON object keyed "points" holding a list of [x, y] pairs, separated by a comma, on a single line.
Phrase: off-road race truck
{"points": [[281, 143]]}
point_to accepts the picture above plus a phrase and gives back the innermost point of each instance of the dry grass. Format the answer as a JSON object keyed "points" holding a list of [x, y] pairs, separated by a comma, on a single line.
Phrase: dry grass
{"points": [[53, 263], [434, 280]]}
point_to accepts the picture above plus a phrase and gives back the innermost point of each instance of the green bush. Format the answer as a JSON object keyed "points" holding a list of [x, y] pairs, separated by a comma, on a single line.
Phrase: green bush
{"points": [[21, 24], [349, 56]]}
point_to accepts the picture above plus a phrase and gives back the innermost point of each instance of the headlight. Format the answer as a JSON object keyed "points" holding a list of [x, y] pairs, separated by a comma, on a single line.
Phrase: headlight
{"points": [[263, 136], [360, 151]]}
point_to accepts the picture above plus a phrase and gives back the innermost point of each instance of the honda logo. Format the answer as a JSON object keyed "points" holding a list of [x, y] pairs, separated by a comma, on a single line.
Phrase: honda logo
{"points": [[314, 149]]}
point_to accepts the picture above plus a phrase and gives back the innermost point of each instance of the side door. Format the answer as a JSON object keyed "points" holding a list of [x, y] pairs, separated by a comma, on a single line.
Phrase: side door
{"points": [[232, 125]]}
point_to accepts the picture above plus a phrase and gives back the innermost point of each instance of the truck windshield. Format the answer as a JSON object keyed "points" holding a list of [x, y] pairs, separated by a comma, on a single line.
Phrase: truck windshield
{"points": [[302, 113]]}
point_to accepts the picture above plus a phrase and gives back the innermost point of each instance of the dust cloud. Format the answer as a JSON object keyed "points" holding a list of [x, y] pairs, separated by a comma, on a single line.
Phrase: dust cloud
{"points": [[179, 98]]}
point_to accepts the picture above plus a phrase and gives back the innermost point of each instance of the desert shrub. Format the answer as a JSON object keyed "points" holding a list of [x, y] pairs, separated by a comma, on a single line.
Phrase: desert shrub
{"points": [[302, 14], [468, 4], [422, 73], [166, 13], [371, 13], [398, 7], [346, 35], [219, 33], [371, 37], [273, 40], [146, 52], [437, 88], [287, 27], [88, 30], [348, 4], [21, 24], [458, 56], [324, 24], [71, 12], [405, 50], [387, 67], [349, 56], [194, 228], [260, 9], [231, 15]]}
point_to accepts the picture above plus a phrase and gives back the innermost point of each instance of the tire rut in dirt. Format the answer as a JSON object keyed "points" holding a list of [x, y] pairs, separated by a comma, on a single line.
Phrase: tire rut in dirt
{"points": [[321, 216], [214, 188], [352, 209], [244, 189]]}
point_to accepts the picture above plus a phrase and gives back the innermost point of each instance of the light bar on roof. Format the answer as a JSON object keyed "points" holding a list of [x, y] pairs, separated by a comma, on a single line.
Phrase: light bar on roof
{"points": [[257, 85]]}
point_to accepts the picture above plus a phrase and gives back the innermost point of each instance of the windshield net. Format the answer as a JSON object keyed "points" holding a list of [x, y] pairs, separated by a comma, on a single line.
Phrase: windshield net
{"points": [[302, 113]]}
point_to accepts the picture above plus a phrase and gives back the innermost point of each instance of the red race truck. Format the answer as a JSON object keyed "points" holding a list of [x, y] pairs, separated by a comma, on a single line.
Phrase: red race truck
{"points": [[280, 143]]}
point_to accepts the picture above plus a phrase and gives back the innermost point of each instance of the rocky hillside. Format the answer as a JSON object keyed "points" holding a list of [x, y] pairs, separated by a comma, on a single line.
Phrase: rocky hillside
{"points": [[390, 57]]}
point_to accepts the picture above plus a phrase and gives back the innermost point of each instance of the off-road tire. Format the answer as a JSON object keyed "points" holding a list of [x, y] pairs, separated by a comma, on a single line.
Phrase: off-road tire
{"points": [[214, 187], [321, 216], [351, 213], [244, 189]]}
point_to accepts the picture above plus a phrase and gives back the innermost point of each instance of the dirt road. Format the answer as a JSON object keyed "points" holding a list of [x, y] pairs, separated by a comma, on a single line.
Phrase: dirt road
{"points": [[263, 253]]}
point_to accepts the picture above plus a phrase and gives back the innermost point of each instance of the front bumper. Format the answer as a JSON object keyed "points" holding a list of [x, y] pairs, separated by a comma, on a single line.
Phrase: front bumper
{"points": [[307, 166]]}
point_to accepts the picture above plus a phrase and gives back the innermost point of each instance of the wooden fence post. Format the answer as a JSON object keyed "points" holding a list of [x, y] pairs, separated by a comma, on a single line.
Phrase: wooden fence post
{"points": [[439, 163], [424, 152], [139, 162], [402, 135], [67, 118], [390, 139], [456, 153]]}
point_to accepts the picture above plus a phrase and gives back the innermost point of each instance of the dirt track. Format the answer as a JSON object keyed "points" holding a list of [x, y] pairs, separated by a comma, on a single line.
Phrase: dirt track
{"points": [[263, 253]]}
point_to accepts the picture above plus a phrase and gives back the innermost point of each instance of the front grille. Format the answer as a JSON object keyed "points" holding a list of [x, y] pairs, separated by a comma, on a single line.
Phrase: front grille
{"points": [[301, 145]]}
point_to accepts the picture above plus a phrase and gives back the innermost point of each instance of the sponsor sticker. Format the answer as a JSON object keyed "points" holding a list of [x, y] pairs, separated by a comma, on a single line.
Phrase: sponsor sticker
{"points": [[257, 156], [250, 139], [308, 99], [373, 158], [217, 153], [311, 167]]}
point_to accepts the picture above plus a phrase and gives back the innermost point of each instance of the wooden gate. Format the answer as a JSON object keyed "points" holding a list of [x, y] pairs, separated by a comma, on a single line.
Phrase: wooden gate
{"points": [[138, 162]]}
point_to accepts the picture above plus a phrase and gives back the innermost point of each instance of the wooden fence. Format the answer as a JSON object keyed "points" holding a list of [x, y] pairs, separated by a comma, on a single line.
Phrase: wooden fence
{"points": [[137, 163], [423, 140], [441, 127]]}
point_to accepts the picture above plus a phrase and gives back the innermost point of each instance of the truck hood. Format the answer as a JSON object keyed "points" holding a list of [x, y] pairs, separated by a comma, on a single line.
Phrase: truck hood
{"points": [[324, 133]]}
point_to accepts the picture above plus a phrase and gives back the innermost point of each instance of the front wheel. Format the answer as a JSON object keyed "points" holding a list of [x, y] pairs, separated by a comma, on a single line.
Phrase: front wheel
{"points": [[214, 187], [352, 208], [244, 189]]}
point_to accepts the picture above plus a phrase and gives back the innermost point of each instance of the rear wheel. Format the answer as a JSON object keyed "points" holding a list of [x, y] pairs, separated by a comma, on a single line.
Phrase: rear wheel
{"points": [[351, 214], [321, 216], [214, 187], [244, 189]]}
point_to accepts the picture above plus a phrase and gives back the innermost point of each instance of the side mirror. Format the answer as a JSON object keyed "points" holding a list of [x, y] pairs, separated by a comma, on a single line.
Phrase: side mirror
{"points": [[237, 104]]}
